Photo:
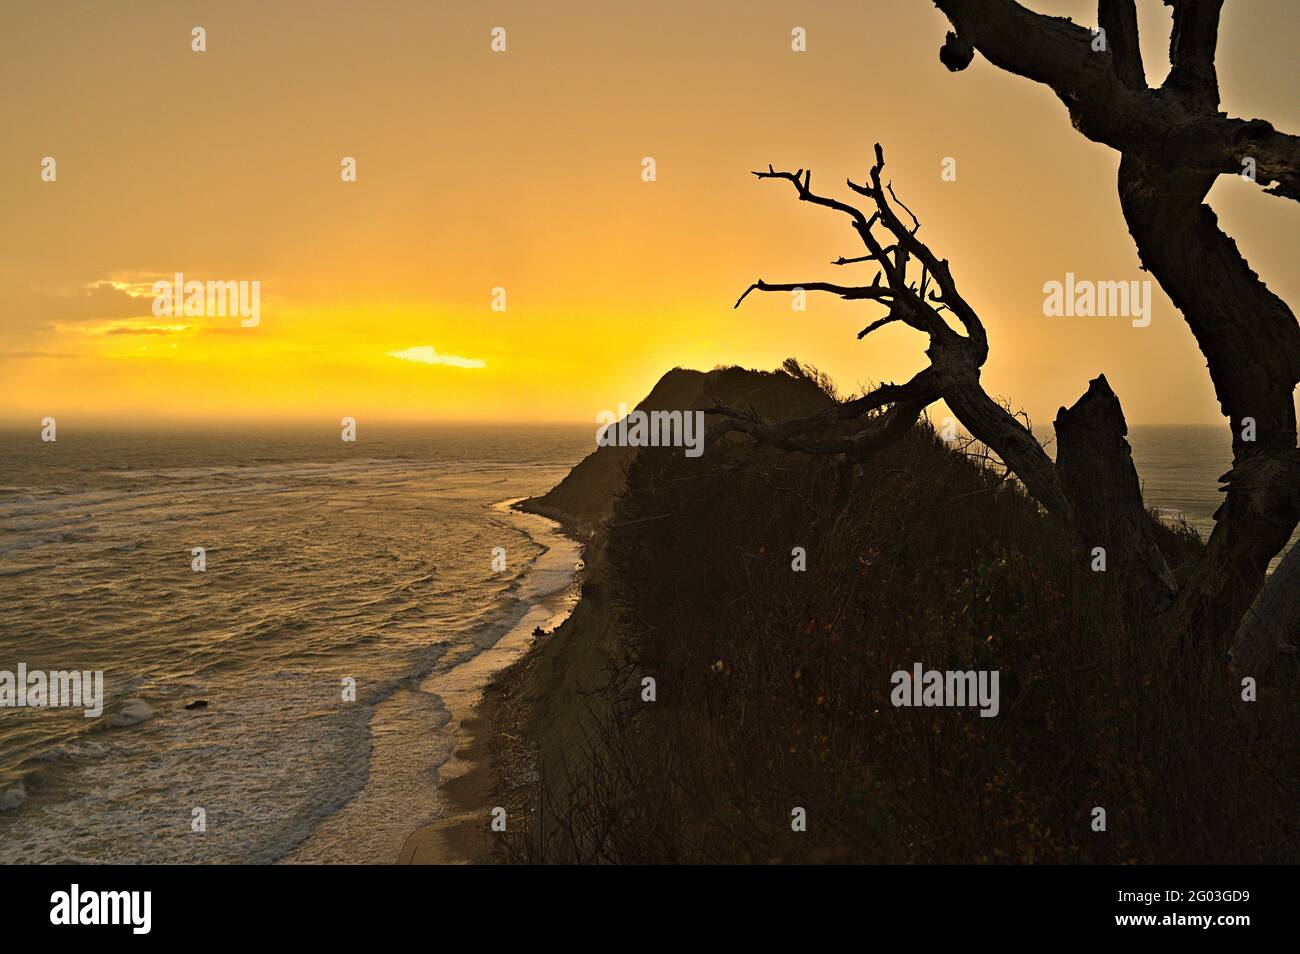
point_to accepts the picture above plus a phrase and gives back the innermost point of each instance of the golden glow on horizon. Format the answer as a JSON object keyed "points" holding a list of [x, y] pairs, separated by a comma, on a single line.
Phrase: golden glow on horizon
{"points": [[522, 170]]}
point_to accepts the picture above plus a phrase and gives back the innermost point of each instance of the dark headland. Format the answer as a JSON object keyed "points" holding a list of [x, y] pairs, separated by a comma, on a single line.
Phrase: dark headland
{"points": [[772, 685]]}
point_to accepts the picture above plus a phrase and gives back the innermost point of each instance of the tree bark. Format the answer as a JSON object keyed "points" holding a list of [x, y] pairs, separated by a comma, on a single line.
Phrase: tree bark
{"points": [[1272, 621], [1251, 344], [1173, 144], [1095, 466]]}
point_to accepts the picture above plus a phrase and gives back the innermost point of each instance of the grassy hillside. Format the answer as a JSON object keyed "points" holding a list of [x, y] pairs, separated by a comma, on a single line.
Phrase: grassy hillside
{"points": [[773, 686]]}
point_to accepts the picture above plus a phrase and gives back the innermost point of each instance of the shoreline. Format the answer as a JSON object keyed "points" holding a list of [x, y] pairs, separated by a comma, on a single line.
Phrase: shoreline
{"points": [[473, 694]]}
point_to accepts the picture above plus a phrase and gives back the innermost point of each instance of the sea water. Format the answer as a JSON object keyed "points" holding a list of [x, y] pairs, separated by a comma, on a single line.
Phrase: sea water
{"points": [[326, 563]]}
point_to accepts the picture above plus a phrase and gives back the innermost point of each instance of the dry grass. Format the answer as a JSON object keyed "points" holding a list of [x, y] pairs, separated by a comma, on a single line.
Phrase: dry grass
{"points": [[773, 686]]}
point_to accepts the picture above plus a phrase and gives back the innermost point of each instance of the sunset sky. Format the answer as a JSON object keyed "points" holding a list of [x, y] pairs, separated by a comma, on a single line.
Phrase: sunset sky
{"points": [[522, 170]]}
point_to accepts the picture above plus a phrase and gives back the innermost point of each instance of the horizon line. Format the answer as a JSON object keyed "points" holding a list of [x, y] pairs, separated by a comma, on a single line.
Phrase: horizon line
{"points": [[329, 422]]}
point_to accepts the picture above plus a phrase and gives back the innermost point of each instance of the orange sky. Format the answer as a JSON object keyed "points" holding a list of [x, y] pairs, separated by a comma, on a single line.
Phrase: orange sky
{"points": [[522, 170]]}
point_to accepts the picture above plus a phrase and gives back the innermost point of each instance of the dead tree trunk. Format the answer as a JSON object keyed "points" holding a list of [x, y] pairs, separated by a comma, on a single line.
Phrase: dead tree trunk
{"points": [[1095, 464], [1252, 348], [1174, 143], [1092, 487], [1272, 620]]}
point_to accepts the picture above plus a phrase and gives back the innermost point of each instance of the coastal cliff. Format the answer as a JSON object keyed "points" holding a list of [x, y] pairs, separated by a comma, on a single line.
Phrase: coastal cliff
{"points": [[723, 691], [546, 708]]}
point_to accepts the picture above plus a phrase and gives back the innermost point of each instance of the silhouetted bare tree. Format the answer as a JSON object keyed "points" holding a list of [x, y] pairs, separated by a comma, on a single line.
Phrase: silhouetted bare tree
{"points": [[1174, 144]]}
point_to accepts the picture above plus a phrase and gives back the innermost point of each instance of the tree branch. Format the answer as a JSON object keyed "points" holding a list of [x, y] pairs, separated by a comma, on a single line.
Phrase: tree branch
{"points": [[920, 386], [1119, 19], [905, 404], [1107, 106], [847, 292], [1191, 53], [1092, 489]]}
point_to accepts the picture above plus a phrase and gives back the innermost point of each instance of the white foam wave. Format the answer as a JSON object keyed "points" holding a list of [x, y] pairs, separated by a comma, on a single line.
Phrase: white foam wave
{"points": [[133, 712]]}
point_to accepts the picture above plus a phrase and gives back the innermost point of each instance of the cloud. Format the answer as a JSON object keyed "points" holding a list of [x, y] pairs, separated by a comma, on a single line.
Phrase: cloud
{"points": [[29, 310], [425, 354], [140, 329]]}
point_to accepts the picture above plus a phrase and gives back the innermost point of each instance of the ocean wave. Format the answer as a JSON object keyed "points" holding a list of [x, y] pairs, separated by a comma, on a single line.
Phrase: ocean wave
{"points": [[12, 797], [323, 581], [23, 570], [133, 712], [73, 750], [18, 546]]}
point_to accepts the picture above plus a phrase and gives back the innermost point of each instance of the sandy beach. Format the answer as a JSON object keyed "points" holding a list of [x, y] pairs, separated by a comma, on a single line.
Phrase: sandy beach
{"points": [[490, 764]]}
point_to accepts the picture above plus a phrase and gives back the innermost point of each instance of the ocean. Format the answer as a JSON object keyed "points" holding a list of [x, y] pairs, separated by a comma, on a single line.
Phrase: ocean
{"points": [[1179, 469], [325, 562]]}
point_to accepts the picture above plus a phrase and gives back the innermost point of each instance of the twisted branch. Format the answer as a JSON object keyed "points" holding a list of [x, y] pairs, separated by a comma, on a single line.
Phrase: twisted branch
{"points": [[1097, 425]]}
